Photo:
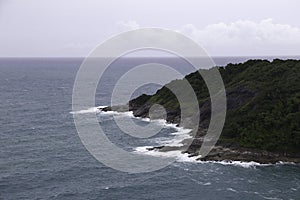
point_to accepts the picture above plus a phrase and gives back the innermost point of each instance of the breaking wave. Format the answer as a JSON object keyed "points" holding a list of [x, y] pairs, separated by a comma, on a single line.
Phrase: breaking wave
{"points": [[175, 140]]}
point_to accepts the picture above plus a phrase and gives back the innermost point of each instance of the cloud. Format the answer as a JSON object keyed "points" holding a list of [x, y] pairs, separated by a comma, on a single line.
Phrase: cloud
{"points": [[127, 25], [240, 38], [245, 37]]}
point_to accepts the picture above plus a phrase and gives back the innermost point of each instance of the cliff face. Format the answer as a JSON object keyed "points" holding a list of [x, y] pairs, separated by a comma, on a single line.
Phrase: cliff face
{"points": [[263, 106]]}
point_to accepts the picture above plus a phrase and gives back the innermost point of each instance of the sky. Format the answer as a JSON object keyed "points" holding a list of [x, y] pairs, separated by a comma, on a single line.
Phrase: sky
{"points": [[72, 28]]}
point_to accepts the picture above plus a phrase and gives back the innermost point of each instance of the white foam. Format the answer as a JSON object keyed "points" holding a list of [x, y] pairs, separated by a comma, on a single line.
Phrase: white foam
{"points": [[123, 114], [249, 164], [98, 110], [285, 163], [243, 164], [184, 157], [232, 190], [176, 140], [177, 155], [89, 110], [180, 135]]}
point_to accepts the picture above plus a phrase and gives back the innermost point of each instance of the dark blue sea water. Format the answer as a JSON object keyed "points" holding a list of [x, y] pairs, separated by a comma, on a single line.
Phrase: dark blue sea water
{"points": [[42, 157]]}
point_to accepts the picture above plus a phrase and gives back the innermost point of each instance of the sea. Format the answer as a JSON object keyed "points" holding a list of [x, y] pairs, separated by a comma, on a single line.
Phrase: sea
{"points": [[43, 157]]}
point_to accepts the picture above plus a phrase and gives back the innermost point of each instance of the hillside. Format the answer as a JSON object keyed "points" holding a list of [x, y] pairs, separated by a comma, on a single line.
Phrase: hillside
{"points": [[263, 108]]}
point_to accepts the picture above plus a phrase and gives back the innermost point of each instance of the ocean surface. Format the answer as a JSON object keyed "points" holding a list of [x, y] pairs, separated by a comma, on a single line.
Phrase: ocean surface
{"points": [[42, 157]]}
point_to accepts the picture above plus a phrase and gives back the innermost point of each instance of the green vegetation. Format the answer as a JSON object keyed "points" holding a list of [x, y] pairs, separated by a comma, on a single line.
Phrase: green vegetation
{"points": [[263, 102]]}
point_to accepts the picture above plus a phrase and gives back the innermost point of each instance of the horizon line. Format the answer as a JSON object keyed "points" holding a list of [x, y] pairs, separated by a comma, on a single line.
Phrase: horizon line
{"points": [[134, 57]]}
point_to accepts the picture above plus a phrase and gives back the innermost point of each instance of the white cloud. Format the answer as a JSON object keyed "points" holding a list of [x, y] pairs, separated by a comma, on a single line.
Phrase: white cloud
{"points": [[240, 38], [245, 37], [127, 25]]}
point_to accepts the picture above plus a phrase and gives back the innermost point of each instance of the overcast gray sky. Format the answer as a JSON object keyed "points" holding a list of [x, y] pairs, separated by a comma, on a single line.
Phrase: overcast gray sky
{"points": [[74, 27]]}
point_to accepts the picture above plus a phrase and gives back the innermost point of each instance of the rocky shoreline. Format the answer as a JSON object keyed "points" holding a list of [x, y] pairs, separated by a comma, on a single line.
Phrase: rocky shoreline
{"points": [[221, 152]]}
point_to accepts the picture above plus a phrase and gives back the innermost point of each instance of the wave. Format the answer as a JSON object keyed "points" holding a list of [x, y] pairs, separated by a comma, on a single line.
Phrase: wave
{"points": [[89, 110], [177, 154], [175, 140], [97, 109], [179, 136], [184, 157], [238, 163]]}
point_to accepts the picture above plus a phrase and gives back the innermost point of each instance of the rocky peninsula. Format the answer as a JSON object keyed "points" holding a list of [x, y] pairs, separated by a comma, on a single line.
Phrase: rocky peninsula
{"points": [[263, 112]]}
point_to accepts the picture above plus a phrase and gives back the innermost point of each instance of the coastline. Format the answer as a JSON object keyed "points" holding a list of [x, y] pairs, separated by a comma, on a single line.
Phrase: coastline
{"points": [[222, 152]]}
